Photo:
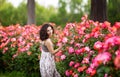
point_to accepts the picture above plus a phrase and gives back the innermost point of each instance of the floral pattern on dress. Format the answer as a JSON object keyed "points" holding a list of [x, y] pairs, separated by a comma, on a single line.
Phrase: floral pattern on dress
{"points": [[47, 64]]}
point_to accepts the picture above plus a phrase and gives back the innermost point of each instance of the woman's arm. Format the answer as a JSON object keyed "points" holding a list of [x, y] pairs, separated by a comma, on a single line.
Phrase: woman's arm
{"points": [[49, 45]]}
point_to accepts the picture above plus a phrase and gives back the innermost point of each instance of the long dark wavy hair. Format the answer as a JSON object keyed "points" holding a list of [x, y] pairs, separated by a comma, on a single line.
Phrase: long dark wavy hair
{"points": [[43, 31]]}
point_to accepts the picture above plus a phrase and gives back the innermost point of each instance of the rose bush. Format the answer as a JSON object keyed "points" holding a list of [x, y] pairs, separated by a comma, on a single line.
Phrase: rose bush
{"points": [[19, 48], [91, 49]]}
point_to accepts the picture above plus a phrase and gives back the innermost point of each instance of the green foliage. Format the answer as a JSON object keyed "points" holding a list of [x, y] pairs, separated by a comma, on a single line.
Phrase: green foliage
{"points": [[2, 2], [12, 74], [17, 74], [74, 14], [20, 14], [60, 16], [102, 70], [24, 62], [43, 14], [75, 5], [10, 15], [1, 61], [113, 11], [6, 14]]}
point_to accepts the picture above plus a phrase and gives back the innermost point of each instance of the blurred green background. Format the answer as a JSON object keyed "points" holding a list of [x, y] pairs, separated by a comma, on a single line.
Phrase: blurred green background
{"points": [[67, 11]]}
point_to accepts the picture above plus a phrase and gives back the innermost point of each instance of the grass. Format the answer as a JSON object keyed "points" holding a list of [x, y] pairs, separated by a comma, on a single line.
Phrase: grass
{"points": [[12, 74], [17, 74]]}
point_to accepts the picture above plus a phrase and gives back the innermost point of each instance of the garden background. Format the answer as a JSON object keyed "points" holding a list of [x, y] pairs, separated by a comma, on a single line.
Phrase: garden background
{"points": [[90, 30]]}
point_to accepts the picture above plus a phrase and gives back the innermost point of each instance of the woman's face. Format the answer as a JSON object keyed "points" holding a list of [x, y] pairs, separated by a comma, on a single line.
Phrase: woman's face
{"points": [[49, 31]]}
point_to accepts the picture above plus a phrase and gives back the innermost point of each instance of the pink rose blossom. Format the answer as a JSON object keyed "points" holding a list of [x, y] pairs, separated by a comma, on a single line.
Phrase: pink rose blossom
{"points": [[13, 39], [117, 40], [91, 71], [71, 63], [103, 57], [117, 61], [87, 36], [81, 32], [117, 52], [72, 41], [84, 40], [77, 45], [76, 75], [71, 50], [58, 53], [76, 65], [96, 34], [98, 45], [59, 44], [80, 51], [66, 32], [63, 57], [117, 24], [80, 69], [106, 75], [95, 64], [64, 40], [87, 49], [14, 56], [4, 50], [111, 41], [85, 60], [67, 73], [77, 51]]}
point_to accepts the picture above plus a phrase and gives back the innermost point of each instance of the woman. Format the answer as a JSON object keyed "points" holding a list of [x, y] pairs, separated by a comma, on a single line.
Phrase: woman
{"points": [[47, 63]]}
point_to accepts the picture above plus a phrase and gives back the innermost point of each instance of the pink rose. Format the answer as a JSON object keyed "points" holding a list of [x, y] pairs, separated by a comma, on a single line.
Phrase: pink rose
{"points": [[58, 53], [63, 57], [67, 73], [71, 50], [71, 63], [76, 65], [117, 61], [76, 75], [64, 40], [98, 45]]}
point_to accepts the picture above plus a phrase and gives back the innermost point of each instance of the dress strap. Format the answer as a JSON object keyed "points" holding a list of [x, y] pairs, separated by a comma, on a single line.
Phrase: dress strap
{"points": [[43, 43]]}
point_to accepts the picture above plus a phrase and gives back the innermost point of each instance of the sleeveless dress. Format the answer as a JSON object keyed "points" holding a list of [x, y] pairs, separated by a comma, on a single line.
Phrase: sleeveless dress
{"points": [[47, 64]]}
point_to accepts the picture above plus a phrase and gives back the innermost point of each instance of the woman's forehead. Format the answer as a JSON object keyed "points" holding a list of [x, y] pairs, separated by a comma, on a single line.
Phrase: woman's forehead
{"points": [[49, 27]]}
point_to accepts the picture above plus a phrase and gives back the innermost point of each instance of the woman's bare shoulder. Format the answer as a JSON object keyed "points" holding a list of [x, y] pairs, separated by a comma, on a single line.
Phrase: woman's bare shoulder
{"points": [[48, 41]]}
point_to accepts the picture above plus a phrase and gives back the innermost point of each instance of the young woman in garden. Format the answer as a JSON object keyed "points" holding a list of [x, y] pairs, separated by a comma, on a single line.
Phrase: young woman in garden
{"points": [[47, 63]]}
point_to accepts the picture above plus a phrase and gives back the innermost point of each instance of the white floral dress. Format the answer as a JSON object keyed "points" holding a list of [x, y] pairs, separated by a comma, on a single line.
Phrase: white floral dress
{"points": [[47, 64]]}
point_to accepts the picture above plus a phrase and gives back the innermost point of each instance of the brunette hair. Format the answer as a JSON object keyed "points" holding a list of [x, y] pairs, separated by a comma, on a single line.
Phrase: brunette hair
{"points": [[43, 31]]}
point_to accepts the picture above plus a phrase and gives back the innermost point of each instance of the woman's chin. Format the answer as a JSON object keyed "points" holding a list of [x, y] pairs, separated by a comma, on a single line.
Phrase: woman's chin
{"points": [[50, 35]]}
